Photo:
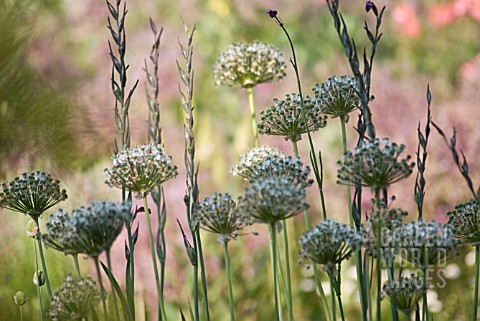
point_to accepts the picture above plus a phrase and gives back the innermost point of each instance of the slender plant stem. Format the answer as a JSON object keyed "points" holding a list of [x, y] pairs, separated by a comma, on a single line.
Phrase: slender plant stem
{"points": [[77, 266], [229, 281], [477, 270], [425, 299], [274, 267], [44, 265], [369, 293], [39, 290], [379, 262], [115, 304], [21, 314], [154, 259], [287, 268], [333, 295], [251, 102], [102, 289], [203, 276]]}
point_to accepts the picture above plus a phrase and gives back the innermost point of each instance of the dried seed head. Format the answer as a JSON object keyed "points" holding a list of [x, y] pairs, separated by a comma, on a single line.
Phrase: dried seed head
{"points": [[141, 169], [405, 292], [465, 222], [272, 199], [328, 243], [285, 118], [375, 164], [74, 300], [89, 230], [31, 194], [248, 65], [337, 97], [220, 214]]}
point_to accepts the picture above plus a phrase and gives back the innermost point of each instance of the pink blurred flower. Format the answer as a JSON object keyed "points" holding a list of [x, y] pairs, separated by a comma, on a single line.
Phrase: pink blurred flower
{"points": [[444, 14], [405, 16]]}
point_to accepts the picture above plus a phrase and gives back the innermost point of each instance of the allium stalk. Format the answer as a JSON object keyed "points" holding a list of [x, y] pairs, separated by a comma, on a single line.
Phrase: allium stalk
{"points": [[20, 299]]}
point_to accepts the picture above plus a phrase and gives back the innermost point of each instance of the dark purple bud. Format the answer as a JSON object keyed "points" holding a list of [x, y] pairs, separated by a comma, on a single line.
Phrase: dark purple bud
{"points": [[272, 13], [371, 6]]}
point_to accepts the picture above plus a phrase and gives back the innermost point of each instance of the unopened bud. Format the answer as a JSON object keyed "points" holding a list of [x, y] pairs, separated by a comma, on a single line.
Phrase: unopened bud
{"points": [[20, 298], [39, 278], [31, 229]]}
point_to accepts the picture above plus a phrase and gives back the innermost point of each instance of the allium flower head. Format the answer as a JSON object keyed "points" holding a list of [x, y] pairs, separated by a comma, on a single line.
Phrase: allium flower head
{"points": [[285, 118], [221, 215], [375, 164], [141, 169], [272, 199], [89, 230], [425, 244], [75, 300], [465, 222], [337, 97], [254, 157], [328, 243], [20, 298], [247, 65], [31, 194], [387, 219], [404, 293]]}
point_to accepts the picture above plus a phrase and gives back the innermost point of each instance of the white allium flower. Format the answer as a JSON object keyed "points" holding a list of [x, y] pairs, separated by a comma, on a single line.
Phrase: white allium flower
{"points": [[254, 157], [329, 243], [247, 65], [404, 293], [141, 169], [285, 118], [220, 214], [465, 222], [337, 97], [374, 164], [75, 300], [272, 199]]}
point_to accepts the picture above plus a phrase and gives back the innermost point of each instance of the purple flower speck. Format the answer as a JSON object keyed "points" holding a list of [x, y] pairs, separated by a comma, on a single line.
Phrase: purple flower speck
{"points": [[272, 13], [369, 5]]}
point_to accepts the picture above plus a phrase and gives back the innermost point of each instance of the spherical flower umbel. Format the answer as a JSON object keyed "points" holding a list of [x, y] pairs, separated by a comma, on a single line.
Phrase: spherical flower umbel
{"points": [[285, 118], [255, 156], [425, 244], [75, 300], [337, 97], [20, 298], [329, 243], [141, 169], [220, 214], [248, 65], [465, 222], [31, 194], [89, 230], [375, 164], [404, 293], [272, 199]]}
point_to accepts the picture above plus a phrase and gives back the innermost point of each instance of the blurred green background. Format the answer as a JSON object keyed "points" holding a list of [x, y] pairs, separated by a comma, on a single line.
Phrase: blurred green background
{"points": [[56, 114]]}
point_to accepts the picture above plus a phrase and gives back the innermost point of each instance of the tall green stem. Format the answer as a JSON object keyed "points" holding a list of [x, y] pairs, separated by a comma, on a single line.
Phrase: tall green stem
{"points": [[154, 259], [44, 265], [102, 289], [287, 267], [229, 281], [349, 195], [39, 290], [115, 304], [477, 270], [379, 261], [77, 266], [21, 313], [273, 243], [252, 115]]}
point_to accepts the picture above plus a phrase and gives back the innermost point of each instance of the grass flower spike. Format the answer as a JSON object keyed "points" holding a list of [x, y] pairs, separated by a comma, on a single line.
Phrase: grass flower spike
{"points": [[465, 222], [74, 300], [328, 244], [337, 97], [31, 194], [247, 65], [404, 293], [221, 215], [141, 169], [374, 164], [272, 199], [285, 118]]}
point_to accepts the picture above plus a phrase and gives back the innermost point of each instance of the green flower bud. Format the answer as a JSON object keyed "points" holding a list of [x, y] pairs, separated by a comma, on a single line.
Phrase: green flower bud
{"points": [[20, 298]]}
